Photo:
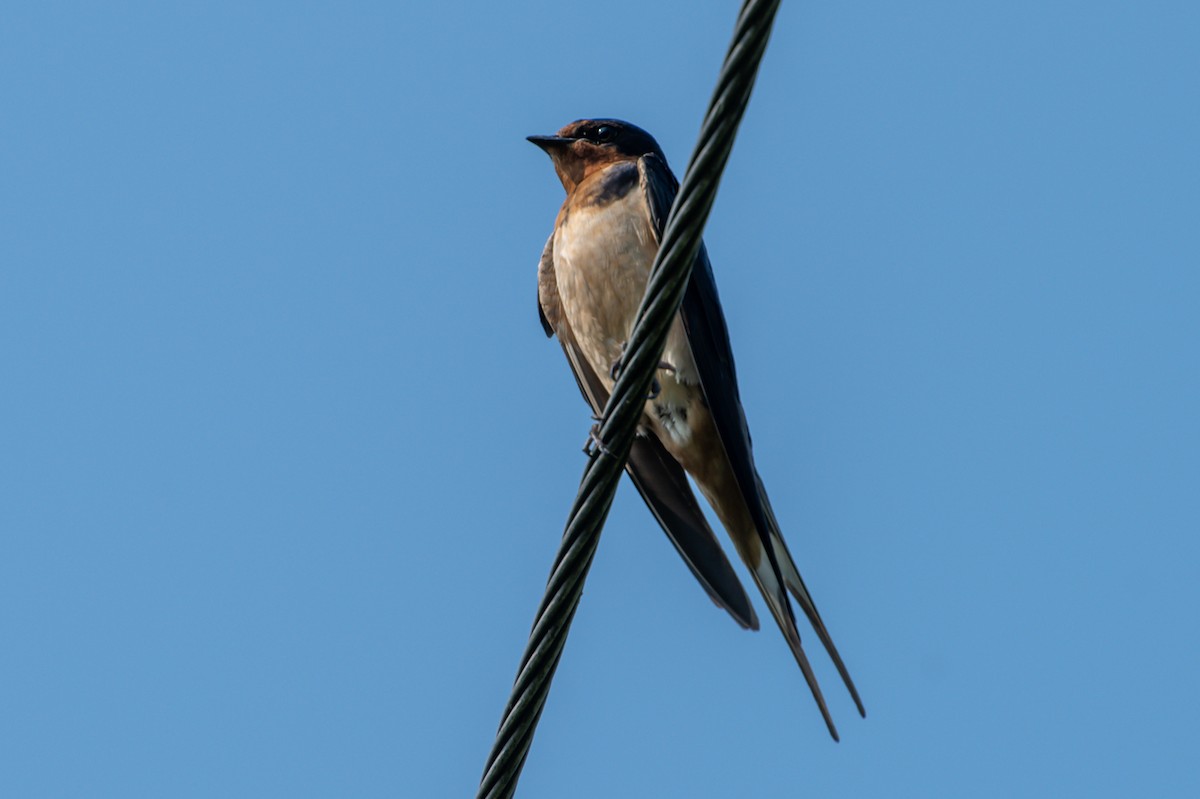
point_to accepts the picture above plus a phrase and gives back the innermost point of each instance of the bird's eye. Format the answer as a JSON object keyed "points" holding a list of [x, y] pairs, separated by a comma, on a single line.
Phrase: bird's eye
{"points": [[605, 133]]}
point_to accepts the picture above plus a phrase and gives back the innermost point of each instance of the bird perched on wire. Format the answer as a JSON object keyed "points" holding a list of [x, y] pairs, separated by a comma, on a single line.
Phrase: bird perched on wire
{"points": [[591, 279]]}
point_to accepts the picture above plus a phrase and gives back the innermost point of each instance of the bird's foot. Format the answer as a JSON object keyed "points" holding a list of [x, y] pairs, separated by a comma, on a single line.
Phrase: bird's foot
{"points": [[614, 371], [594, 444], [655, 386]]}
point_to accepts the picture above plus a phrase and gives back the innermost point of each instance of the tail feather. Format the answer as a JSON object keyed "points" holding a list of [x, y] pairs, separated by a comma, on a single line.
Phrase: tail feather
{"points": [[795, 583], [776, 596]]}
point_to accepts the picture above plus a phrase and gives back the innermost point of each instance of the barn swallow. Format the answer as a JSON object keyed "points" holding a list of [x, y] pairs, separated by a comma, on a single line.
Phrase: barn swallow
{"points": [[591, 278]]}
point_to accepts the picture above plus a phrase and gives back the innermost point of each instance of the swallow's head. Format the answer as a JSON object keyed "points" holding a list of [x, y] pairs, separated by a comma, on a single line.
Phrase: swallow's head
{"points": [[587, 145]]}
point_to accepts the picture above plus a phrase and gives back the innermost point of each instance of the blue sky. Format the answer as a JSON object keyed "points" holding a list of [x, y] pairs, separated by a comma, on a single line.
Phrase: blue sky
{"points": [[285, 455]]}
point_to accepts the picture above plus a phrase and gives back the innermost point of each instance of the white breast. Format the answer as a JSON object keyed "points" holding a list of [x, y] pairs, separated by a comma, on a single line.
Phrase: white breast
{"points": [[602, 260]]}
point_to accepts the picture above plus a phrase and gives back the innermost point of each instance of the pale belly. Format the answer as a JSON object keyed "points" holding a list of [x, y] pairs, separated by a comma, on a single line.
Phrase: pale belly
{"points": [[602, 260]]}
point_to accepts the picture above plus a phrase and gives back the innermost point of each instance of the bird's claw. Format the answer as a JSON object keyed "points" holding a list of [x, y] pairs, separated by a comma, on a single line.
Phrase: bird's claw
{"points": [[614, 371], [594, 444]]}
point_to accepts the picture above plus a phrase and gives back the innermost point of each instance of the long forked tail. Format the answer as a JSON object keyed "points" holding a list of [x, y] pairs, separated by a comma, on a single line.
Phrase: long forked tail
{"points": [[791, 577], [775, 594]]}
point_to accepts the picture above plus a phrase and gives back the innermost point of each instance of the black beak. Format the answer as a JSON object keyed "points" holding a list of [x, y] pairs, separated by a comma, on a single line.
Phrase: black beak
{"points": [[550, 143]]}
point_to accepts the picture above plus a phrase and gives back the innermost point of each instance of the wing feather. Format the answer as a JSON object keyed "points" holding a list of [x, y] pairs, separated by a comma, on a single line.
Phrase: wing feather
{"points": [[708, 337], [657, 476]]}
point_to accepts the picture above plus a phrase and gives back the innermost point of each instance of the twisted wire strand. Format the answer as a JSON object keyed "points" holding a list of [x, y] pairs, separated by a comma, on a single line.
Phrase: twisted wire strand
{"points": [[664, 293]]}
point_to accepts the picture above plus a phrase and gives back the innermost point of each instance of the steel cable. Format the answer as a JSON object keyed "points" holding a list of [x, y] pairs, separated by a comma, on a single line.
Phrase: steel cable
{"points": [[616, 428]]}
